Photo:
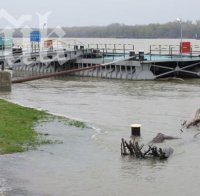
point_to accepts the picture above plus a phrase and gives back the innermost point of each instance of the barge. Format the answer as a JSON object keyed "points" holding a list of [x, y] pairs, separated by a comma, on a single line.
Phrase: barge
{"points": [[114, 62]]}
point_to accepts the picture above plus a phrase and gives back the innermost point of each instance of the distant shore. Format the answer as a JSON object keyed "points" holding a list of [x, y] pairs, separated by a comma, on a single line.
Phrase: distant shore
{"points": [[169, 30]]}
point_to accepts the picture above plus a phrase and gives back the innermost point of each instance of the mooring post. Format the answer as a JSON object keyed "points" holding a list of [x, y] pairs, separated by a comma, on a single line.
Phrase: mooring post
{"points": [[2, 66], [5, 81], [135, 130]]}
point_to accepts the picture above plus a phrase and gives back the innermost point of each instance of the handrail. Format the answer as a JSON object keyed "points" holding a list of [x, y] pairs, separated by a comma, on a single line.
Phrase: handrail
{"points": [[172, 50]]}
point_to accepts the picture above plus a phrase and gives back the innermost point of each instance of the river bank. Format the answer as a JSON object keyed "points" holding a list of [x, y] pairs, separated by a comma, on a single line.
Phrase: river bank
{"points": [[17, 132], [35, 128], [17, 127]]}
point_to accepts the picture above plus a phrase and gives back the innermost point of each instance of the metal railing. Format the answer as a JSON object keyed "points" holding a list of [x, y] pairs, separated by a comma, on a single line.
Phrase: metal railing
{"points": [[173, 50]]}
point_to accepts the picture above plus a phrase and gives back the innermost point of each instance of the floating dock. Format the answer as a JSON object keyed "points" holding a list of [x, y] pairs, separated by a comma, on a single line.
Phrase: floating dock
{"points": [[106, 61]]}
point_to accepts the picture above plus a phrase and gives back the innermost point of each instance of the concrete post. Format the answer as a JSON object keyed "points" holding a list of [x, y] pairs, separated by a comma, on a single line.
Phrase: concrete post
{"points": [[5, 81]]}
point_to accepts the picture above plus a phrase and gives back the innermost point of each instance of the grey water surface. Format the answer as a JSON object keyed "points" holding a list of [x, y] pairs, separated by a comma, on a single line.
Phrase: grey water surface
{"points": [[88, 162]]}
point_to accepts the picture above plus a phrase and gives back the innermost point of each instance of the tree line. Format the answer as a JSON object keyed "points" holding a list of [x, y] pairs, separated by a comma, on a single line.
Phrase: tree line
{"points": [[116, 30], [168, 30]]}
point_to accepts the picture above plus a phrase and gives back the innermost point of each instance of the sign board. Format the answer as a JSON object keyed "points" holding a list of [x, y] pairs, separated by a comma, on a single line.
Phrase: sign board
{"points": [[185, 47], [35, 36]]}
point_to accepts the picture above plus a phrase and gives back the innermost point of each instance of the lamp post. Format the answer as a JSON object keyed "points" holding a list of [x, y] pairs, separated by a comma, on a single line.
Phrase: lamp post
{"points": [[43, 28], [180, 21], [44, 33]]}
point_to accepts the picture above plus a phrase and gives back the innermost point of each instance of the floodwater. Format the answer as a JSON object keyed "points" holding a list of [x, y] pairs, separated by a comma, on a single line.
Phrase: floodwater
{"points": [[88, 161]]}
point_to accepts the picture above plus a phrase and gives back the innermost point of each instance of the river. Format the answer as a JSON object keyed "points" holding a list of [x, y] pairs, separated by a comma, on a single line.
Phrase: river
{"points": [[88, 162]]}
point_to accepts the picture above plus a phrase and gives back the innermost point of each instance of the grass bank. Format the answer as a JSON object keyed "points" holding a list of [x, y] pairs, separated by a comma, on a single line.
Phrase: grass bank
{"points": [[17, 127]]}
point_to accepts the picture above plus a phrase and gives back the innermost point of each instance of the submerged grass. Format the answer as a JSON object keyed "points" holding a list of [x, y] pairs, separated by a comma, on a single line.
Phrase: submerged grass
{"points": [[17, 124], [77, 123], [17, 128]]}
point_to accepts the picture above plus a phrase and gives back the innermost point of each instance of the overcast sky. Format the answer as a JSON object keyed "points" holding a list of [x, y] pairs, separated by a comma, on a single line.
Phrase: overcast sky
{"points": [[102, 12]]}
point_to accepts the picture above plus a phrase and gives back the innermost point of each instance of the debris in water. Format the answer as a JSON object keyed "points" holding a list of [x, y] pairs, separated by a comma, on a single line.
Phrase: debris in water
{"points": [[195, 121], [134, 149]]}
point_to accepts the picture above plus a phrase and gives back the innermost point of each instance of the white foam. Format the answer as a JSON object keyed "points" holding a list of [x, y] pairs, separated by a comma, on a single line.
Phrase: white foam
{"points": [[67, 117], [98, 131]]}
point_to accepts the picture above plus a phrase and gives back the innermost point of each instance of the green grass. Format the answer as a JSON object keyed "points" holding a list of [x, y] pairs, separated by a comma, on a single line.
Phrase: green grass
{"points": [[17, 128], [77, 123]]}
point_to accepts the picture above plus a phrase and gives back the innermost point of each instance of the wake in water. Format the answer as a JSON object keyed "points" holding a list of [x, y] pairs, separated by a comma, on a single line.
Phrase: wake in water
{"points": [[97, 131]]}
